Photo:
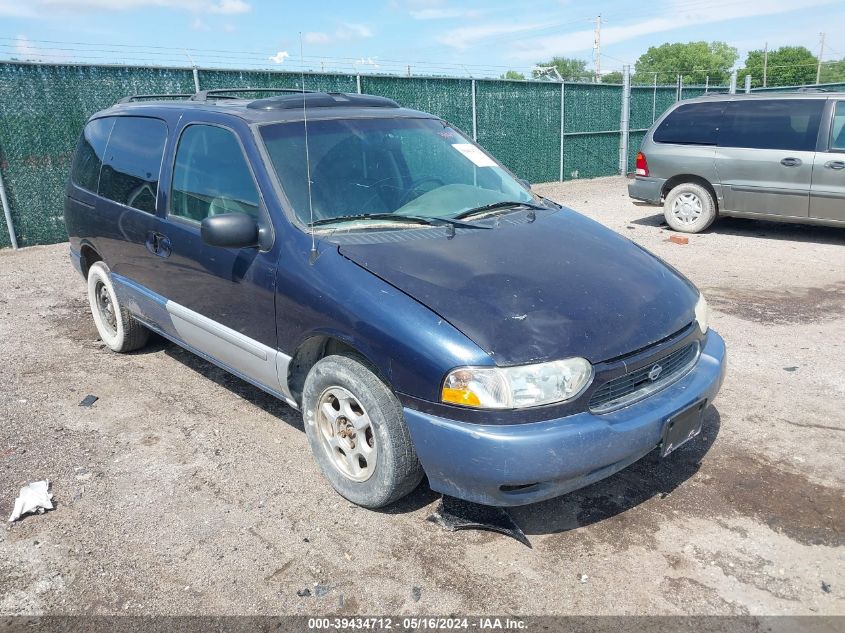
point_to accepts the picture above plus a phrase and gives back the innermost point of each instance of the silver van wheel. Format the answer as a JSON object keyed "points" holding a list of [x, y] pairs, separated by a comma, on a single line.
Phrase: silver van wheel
{"points": [[347, 433], [689, 208]]}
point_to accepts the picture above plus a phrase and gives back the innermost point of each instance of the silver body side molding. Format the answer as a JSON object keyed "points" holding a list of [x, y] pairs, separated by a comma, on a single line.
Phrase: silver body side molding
{"points": [[263, 366]]}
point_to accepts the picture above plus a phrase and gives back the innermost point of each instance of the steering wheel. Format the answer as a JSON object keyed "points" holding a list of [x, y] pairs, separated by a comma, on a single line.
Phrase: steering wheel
{"points": [[415, 185]]}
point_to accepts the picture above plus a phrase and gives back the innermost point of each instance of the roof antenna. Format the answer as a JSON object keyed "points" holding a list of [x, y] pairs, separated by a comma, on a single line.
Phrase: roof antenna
{"points": [[313, 257]]}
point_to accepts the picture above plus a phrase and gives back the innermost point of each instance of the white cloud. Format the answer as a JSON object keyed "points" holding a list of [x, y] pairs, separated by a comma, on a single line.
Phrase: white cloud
{"points": [[368, 61], [199, 24], [16, 9], [280, 57], [221, 7], [230, 7], [442, 13], [467, 36], [349, 31], [317, 37], [344, 32], [678, 16]]}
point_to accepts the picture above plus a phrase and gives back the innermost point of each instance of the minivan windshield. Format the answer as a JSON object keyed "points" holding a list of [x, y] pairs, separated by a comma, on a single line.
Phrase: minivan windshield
{"points": [[420, 168]]}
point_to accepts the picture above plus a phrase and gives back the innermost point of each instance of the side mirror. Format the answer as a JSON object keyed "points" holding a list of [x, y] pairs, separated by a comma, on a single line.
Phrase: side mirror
{"points": [[230, 230], [525, 183]]}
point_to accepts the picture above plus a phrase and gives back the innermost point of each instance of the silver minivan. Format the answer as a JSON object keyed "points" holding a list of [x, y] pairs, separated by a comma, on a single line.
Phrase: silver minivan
{"points": [[777, 157]]}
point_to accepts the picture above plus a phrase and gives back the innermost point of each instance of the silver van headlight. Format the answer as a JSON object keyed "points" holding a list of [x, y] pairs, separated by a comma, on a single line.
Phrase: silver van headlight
{"points": [[517, 387], [702, 313]]}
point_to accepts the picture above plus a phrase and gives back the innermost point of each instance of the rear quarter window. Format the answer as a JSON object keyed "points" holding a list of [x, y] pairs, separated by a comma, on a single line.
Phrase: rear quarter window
{"points": [[787, 124], [132, 163], [691, 124], [88, 159]]}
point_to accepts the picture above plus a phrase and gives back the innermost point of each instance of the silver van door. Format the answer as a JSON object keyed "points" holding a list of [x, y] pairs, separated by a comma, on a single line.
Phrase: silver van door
{"points": [[827, 194], [765, 155]]}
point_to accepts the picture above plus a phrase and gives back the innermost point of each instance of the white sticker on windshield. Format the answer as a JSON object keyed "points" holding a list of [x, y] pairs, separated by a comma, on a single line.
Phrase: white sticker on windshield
{"points": [[478, 157]]}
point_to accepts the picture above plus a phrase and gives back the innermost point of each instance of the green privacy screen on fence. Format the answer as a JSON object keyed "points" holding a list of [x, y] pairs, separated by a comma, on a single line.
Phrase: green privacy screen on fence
{"points": [[43, 108]]}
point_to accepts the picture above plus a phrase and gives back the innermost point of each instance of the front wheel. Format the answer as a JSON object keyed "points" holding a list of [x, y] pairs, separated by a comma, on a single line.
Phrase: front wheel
{"points": [[689, 208], [357, 432]]}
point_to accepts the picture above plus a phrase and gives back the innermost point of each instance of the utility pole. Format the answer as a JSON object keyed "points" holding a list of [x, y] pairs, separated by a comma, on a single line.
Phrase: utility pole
{"points": [[597, 49], [821, 55], [765, 63]]}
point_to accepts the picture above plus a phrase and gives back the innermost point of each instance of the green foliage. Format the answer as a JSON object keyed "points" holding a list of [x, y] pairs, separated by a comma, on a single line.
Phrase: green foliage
{"points": [[788, 66], [833, 72], [513, 75], [570, 68], [612, 78], [694, 60]]}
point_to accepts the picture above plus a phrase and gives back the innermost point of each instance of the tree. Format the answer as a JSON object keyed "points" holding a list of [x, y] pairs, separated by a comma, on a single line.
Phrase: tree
{"points": [[788, 66], [570, 68], [695, 61], [833, 72], [614, 77], [513, 75]]}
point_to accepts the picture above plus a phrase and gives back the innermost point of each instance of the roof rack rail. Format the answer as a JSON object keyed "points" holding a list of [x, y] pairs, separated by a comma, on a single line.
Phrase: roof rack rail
{"points": [[131, 98], [223, 93]]}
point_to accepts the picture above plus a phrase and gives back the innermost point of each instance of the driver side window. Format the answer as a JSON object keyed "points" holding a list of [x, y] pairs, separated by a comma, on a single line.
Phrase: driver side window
{"points": [[211, 175]]}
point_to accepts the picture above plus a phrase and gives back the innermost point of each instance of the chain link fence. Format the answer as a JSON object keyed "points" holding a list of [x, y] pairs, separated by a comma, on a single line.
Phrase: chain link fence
{"points": [[542, 131]]}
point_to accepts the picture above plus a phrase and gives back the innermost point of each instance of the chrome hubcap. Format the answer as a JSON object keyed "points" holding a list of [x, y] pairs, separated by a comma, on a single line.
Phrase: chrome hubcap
{"points": [[346, 433], [687, 208], [106, 307]]}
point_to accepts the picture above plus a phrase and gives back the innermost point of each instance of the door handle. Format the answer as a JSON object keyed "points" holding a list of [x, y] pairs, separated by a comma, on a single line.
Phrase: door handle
{"points": [[835, 164], [790, 162], [158, 244]]}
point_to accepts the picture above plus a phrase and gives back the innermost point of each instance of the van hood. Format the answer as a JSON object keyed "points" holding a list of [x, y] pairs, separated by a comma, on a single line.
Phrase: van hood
{"points": [[557, 287]]}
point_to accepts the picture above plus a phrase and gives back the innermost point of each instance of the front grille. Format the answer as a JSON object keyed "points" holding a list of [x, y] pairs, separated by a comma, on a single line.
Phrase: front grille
{"points": [[637, 384]]}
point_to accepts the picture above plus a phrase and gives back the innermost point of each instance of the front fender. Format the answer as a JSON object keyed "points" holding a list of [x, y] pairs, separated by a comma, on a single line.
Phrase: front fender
{"points": [[411, 346]]}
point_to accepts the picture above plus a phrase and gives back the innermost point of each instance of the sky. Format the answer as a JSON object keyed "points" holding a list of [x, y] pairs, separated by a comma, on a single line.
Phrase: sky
{"points": [[479, 38]]}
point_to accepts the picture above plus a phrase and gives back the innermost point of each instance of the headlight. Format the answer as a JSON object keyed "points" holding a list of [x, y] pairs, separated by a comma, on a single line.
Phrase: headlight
{"points": [[701, 313], [517, 387]]}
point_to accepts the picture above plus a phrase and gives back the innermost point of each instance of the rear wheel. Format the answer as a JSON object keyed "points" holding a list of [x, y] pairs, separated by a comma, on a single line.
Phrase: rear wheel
{"points": [[689, 208], [118, 329], [357, 432]]}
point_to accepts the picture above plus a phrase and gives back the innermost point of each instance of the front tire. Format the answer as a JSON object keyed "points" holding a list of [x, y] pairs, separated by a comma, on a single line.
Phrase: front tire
{"points": [[689, 208], [357, 432], [118, 329]]}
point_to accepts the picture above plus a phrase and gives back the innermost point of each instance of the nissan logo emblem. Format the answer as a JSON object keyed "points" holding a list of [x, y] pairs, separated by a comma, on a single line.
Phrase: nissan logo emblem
{"points": [[654, 373]]}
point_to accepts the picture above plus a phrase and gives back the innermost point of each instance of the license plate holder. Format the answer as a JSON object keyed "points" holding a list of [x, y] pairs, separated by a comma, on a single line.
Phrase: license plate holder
{"points": [[682, 427]]}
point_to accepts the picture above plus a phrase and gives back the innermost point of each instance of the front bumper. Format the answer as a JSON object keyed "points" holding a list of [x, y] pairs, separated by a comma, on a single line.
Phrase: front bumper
{"points": [[646, 189], [475, 461]]}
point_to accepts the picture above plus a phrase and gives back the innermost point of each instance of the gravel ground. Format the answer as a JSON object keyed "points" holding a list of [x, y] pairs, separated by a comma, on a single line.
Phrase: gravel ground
{"points": [[186, 491]]}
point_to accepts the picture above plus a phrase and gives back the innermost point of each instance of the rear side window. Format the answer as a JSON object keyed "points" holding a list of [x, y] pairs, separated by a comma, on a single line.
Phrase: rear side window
{"points": [[211, 175], [88, 158], [789, 124], [837, 132], [133, 162], [691, 124]]}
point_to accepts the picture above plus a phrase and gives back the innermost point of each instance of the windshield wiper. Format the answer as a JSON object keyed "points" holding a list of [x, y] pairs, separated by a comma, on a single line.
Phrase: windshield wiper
{"points": [[397, 217], [504, 205]]}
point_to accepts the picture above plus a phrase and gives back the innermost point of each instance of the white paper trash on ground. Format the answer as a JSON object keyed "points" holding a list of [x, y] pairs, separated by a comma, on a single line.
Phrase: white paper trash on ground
{"points": [[33, 498]]}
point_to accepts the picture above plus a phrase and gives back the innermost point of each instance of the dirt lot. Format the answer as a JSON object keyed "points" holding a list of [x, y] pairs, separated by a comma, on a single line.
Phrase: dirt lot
{"points": [[184, 490]]}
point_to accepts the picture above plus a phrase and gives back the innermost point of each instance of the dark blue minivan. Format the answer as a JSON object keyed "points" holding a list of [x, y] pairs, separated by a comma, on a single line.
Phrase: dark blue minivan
{"points": [[374, 268]]}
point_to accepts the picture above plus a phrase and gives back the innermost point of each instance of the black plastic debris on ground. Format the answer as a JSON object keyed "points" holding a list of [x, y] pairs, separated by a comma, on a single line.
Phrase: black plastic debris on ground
{"points": [[303, 593], [88, 400], [416, 594], [825, 587], [456, 514]]}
